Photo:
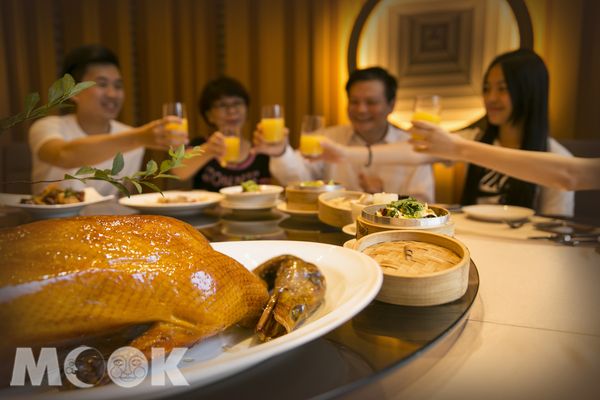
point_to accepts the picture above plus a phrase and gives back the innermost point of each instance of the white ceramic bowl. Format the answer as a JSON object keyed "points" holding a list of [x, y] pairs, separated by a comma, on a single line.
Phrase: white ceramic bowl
{"points": [[266, 197]]}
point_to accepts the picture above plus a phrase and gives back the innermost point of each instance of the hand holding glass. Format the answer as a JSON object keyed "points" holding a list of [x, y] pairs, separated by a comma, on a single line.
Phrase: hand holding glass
{"points": [[428, 108], [272, 123], [232, 146], [310, 139], [176, 109]]}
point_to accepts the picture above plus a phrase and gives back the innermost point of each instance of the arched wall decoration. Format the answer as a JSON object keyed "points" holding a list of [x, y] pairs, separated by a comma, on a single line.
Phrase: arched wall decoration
{"points": [[518, 7]]}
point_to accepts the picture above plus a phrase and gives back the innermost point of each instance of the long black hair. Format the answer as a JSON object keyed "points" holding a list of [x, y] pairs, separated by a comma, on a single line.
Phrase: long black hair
{"points": [[526, 77]]}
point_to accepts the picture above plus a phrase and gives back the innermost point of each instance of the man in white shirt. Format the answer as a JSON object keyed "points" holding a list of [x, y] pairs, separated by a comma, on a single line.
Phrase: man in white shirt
{"points": [[62, 144], [371, 98]]}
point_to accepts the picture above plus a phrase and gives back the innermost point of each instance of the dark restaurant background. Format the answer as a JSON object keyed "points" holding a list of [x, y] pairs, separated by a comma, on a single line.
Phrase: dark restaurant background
{"points": [[292, 52]]}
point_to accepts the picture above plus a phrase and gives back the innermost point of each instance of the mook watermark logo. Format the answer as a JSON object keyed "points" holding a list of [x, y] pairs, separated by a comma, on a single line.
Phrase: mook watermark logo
{"points": [[126, 367]]}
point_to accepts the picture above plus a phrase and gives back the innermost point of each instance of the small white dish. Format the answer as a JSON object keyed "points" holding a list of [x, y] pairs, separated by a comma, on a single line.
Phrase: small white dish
{"points": [[148, 203], [265, 197], [350, 229], [284, 208], [248, 206], [350, 244], [44, 211], [497, 212]]}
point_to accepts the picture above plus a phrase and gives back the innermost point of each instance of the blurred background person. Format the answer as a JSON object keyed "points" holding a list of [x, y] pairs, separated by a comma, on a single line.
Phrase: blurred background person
{"points": [[91, 135], [223, 105], [371, 96], [515, 93]]}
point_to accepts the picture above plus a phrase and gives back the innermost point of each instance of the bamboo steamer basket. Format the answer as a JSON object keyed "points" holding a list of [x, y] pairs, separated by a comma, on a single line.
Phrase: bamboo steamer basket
{"points": [[426, 250], [368, 222], [336, 215], [306, 198]]}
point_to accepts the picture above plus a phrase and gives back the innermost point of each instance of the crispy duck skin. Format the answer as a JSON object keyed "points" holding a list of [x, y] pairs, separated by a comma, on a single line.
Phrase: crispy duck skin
{"points": [[66, 279]]}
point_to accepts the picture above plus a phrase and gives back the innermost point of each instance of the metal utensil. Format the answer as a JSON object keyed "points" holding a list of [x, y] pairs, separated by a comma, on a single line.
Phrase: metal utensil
{"points": [[568, 239]]}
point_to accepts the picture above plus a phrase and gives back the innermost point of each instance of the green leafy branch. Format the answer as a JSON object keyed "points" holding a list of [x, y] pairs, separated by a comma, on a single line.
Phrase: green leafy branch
{"points": [[60, 91], [141, 178]]}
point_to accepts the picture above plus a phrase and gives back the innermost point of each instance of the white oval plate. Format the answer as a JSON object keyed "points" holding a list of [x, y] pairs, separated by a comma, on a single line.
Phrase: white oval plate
{"points": [[148, 202], [353, 280], [248, 206], [498, 212], [284, 208], [236, 198], [350, 229], [43, 211]]}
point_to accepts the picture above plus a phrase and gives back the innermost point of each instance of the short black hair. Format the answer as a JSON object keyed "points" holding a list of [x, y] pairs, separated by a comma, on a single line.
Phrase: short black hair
{"points": [[79, 59], [377, 74], [218, 88]]}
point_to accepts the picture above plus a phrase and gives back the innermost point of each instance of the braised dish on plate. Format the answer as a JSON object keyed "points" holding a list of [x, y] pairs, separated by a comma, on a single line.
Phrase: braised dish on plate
{"points": [[53, 194]]}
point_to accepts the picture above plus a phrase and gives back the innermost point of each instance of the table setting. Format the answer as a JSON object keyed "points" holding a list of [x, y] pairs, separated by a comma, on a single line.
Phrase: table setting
{"points": [[373, 340]]}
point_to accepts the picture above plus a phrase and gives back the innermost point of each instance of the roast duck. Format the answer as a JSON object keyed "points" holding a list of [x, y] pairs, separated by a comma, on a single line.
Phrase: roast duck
{"points": [[68, 279]]}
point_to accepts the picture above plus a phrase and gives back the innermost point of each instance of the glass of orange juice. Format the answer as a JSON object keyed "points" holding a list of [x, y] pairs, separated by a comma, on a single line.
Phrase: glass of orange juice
{"points": [[232, 146], [272, 123], [176, 109], [310, 138], [427, 108]]}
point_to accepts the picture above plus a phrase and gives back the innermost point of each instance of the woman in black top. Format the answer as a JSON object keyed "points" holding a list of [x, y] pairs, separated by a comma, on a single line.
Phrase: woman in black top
{"points": [[223, 104], [515, 93]]}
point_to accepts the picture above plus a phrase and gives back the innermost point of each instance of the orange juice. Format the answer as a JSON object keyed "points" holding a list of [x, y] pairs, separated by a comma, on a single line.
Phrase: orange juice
{"points": [[174, 126], [272, 129], [310, 145], [232, 149], [426, 116]]}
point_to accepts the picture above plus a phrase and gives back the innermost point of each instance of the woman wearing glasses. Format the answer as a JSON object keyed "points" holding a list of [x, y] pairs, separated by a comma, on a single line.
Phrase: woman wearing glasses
{"points": [[223, 105]]}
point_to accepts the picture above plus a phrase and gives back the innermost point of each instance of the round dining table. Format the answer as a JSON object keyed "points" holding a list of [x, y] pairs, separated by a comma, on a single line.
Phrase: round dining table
{"points": [[527, 326]]}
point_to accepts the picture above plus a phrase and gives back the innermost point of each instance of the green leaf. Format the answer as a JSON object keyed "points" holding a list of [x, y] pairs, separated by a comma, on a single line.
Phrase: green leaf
{"points": [[30, 101], [71, 177], [85, 170], [151, 167], [68, 83], [56, 92], [80, 87], [165, 166], [120, 187], [151, 186], [102, 174], [137, 186], [138, 174], [179, 153], [168, 176], [118, 164]]}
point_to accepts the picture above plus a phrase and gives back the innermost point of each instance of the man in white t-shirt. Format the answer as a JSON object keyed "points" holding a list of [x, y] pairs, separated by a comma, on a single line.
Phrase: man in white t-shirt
{"points": [[371, 98], [91, 137]]}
